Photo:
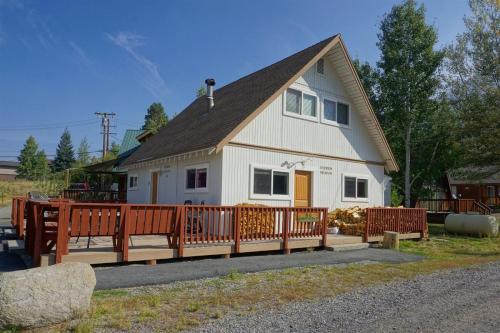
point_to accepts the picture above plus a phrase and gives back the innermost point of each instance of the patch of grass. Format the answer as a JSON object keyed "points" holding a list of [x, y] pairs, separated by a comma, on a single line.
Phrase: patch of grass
{"points": [[184, 305]]}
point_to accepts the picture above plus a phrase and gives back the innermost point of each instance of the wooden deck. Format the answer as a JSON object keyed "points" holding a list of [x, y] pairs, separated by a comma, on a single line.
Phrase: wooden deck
{"points": [[156, 248]]}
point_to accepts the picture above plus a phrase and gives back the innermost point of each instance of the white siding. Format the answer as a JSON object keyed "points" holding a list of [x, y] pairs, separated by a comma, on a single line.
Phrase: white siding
{"points": [[271, 128], [326, 185], [171, 186]]}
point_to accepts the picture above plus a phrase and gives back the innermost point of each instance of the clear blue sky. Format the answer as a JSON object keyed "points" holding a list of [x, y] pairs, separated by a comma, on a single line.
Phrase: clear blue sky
{"points": [[61, 61]]}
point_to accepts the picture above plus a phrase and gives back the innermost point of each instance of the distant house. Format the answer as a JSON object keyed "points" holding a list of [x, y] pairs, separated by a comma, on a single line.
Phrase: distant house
{"points": [[300, 132], [129, 144], [481, 184], [8, 170]]}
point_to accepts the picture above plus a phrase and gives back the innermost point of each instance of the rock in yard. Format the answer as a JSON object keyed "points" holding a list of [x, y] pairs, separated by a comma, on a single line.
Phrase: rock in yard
{"points": [[47, 295]]}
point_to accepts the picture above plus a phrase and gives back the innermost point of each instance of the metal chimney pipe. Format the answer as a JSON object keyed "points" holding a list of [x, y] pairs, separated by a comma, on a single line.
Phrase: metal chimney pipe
{"points": [[210, 93]]}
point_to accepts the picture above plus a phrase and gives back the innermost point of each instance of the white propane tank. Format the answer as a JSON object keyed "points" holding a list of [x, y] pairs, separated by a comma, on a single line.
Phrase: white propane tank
{"points": [[469, 224]]}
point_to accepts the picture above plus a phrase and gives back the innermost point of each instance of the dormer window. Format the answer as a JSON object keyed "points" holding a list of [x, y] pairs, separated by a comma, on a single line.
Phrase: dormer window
{"points": [[320, 66]]}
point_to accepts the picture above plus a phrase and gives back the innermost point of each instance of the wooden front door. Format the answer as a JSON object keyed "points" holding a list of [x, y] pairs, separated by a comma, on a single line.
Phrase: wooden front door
{"points": [[154, 187], [302, 189]]}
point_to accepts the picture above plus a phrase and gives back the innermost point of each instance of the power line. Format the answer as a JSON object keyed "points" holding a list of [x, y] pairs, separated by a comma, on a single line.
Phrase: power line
{"points": [[105, 123], [51, 126]]}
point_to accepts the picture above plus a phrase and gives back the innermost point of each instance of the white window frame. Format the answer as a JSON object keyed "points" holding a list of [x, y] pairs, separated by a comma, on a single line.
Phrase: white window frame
{"points": [[316, 67], [134, 188], [336, 101], [270, 196], [356, 176], [300, 115], [196, 189]]}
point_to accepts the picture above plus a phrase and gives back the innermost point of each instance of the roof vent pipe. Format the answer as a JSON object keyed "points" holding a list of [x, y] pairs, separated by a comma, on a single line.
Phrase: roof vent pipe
{"points": [[210, 93]]}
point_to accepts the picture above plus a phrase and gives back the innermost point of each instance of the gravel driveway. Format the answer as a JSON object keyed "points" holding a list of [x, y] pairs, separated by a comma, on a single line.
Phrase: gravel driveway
{"points": [[461, 300]]}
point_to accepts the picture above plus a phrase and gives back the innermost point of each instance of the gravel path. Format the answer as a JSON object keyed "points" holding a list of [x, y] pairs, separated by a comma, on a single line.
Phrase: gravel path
{"points": [[461, 300]]}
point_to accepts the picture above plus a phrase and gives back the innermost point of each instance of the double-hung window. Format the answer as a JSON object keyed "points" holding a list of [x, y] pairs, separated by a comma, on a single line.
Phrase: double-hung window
{"points": [[336, 112], [269, 182], [355, 188], [300, 103], [132, 182], [196, 178]]}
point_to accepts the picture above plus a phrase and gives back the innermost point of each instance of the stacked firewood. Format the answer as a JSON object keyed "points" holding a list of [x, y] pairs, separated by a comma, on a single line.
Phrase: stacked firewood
{"points": [[350, 221], [256, 222]]}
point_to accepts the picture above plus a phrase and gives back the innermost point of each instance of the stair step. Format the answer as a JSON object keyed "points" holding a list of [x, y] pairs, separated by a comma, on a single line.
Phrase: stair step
{"points": [[15, 246], [347, 247]]}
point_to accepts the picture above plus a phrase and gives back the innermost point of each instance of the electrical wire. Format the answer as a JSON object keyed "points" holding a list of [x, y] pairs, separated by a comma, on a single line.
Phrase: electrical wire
{"points": [[52, 126]]}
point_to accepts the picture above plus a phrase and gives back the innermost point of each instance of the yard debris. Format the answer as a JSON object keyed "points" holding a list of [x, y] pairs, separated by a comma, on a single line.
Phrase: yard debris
{"points": [[350, 221]]}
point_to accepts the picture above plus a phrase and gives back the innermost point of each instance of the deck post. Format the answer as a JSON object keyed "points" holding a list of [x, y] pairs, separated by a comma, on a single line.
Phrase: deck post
{"points": [[286, 222], [37, 246], [125, 233], [181, 217], [62, 232], [325, 226], [237, 230], [21, 204], [367, 226]]}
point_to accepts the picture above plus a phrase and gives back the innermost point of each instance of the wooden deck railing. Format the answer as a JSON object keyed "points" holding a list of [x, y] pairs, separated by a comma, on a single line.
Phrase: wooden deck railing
{"points": [[95, 195], [453, 206], [402, 220], [17, 215], [50, 225]]}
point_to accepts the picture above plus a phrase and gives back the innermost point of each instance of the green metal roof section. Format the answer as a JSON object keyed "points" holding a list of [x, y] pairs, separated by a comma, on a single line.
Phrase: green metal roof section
{"points": [[129, 141]]}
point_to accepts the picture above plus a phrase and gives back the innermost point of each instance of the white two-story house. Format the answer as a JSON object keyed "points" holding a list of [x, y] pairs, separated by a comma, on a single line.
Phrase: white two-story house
{"points": [[300, 132]]}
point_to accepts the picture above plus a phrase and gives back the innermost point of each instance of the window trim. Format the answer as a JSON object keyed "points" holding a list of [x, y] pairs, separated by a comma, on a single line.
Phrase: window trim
{"points": [[134, 188], [271, 196], [356, 176], [301, 115], [196, 189], [336, 100]]}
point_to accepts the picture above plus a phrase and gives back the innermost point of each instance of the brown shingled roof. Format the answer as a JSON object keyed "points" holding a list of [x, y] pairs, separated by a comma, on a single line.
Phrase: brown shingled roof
{"points": [[196, 128]]}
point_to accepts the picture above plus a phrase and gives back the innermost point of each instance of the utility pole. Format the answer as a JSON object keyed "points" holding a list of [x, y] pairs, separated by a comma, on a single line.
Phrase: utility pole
{"points": [[105, 116]]}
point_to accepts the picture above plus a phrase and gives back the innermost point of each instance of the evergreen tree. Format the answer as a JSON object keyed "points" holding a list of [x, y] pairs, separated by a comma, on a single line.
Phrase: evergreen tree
{"points": [[408, 83], [41, 170], [65, 156], [83, 155], [155, 118], [28, 159], [473, 80]]}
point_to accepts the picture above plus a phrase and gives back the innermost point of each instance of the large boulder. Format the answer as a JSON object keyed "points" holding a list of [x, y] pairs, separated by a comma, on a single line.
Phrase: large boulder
{"points": [[47, 295]]}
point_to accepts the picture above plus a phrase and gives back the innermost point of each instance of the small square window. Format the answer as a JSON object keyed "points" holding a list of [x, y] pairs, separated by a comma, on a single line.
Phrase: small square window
{"points": [[293, 101], [320, 66], [262, 181], [309, 106], [191, 179], [343, 113], [362, 188], [280, 183], [330, 110], [201, 178], [350, 187], [132, 182]]}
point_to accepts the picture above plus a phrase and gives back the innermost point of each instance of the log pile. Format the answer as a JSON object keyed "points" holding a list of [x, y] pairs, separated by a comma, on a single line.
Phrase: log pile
{"points": [[350, 221], [256, 222]]}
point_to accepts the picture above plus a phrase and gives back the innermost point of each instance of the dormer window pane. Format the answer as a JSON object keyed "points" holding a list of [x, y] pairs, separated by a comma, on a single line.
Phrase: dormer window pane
{"points": [[293, 99], [309, 106], [330, 110], [343, 113]]}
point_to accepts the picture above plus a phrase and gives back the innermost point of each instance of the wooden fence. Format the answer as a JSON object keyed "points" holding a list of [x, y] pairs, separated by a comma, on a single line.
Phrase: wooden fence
{"points": [[17, 215], [454, 206], [402, 220], [50, 225]]}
